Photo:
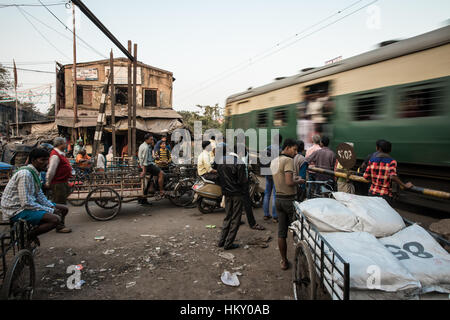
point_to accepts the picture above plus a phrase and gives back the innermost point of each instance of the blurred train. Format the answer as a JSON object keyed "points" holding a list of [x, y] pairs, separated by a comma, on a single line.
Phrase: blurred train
{"points": [[399, 92]]}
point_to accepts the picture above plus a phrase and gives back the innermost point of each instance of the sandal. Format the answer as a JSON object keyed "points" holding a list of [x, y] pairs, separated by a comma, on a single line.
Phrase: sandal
{"points": [[267, 217], [284, 265], [275, 220], [258, 227]]}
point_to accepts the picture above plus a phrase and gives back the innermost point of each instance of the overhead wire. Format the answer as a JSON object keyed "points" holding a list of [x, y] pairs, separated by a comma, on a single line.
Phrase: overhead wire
{"points": [[40, 33], [232, 71], [77, 36]]}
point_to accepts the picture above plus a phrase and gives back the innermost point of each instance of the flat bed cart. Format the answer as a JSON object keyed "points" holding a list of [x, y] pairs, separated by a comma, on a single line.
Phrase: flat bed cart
{"points": [[317, 264], [103, 193]]}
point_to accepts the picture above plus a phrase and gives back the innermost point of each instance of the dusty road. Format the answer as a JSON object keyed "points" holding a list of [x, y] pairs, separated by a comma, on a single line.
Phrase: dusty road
{"points": [[159, 252]]}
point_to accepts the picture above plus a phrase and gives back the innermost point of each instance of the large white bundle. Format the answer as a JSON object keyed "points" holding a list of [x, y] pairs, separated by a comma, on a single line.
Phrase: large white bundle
{"points": [[328, 215], [424, 258], [375, 214], [372, 265]]}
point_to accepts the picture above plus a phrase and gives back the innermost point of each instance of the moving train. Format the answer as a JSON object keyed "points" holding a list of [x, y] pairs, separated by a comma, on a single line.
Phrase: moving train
{"points": [[399, 91]]}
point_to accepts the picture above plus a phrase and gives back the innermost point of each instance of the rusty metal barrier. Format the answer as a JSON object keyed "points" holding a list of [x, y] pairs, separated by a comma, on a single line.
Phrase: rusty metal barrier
{"points": [[353, 177]]}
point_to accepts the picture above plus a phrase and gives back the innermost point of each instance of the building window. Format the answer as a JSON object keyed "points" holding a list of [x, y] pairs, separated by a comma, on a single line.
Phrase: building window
{"points": [[420, 101], [84, 95], [280, 119], [262, 120], [150, 98], [366, 107], [122, 95]]}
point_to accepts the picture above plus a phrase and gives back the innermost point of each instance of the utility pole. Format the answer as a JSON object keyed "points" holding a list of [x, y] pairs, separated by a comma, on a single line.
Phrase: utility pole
{"points": [[130, 101], [74, 76], [15, 92], [133, 133], [50, 98], [113, 102], [101, 118]]}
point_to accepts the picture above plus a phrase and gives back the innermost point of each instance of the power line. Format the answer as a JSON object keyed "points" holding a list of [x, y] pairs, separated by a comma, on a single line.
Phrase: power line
{"points": [[67, 28], [32, 5], [45, 38], [30, 70], [243, 63], [274, 52], [63, 35]]}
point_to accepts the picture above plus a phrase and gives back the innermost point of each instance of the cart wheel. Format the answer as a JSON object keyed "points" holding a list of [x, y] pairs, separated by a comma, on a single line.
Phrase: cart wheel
{"points": [[103, 203], [183, 194], [20, 278], [304, 276]]}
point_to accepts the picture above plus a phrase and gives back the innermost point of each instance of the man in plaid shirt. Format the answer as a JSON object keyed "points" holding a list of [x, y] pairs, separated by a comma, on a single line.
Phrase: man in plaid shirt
{"points": [[23, 197], [381, 171]]}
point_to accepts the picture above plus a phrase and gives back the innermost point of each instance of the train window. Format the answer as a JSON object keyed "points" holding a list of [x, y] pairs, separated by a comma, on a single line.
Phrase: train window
{"points": [[280, 119], [420, 101], [366, 107], [262, 120]]}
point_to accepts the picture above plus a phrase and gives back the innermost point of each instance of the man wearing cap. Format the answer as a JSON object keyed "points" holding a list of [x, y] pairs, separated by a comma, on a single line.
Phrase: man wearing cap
{"points": [[58, 174]]}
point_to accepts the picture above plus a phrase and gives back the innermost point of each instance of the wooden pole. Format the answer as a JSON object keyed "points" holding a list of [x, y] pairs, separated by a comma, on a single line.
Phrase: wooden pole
{"points": [[113, 103], [130, 101], [17, 113], [133, 133], [74, 77]]}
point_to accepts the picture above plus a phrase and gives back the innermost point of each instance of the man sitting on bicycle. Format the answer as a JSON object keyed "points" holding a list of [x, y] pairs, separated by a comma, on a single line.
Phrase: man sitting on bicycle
{"points": [[23, 197], [148, 167]]}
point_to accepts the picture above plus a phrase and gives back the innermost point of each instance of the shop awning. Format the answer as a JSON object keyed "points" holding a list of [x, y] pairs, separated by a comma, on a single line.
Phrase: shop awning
{"points": [[86, 118], [157, 126]]}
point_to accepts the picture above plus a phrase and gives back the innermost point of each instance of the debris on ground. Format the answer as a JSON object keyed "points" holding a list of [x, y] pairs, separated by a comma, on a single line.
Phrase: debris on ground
{"points": [[130, 284], [50, 265], [107, 252], [210, 226], [227, 255], [99, 238], [260, 241], [230, 279]]}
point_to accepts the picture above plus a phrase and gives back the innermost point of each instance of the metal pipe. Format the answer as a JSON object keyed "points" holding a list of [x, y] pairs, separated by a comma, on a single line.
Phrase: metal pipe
{"points": [[419, 190], [102, 28]]}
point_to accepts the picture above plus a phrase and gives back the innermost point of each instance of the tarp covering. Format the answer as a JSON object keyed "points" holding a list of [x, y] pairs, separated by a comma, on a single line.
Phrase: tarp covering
{"points": [[86, 118], [157, 126], [43, 127]]}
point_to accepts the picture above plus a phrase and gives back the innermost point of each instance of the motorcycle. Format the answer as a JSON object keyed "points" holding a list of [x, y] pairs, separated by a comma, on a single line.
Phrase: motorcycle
{"points": [[208, 195]]}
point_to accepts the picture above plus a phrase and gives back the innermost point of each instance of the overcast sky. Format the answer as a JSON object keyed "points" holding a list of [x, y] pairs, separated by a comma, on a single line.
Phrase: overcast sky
{"points": [[214, 48]]}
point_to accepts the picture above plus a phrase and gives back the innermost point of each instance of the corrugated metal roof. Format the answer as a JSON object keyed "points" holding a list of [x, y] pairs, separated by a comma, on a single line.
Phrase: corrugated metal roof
{"points": [[408, 46]]}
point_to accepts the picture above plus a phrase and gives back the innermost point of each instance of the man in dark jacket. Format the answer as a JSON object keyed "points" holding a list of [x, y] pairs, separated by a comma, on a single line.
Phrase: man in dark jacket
{"points": [[232, 179]]}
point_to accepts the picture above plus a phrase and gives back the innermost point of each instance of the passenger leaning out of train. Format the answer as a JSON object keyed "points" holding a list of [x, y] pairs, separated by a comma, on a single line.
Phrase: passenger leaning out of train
{"points": [[381, 171], [205, 163]]}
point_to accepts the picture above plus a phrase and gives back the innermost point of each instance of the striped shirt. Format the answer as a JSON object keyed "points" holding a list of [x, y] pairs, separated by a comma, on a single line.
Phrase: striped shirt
{"points": [[22, 193]]}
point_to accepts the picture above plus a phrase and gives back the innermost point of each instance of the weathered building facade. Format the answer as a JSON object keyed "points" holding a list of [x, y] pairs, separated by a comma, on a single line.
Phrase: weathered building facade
{"points": [[154, 90]]}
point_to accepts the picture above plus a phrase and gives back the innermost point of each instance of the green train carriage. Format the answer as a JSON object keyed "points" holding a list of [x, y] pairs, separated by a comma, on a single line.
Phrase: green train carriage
{"points": [[399, 92]]}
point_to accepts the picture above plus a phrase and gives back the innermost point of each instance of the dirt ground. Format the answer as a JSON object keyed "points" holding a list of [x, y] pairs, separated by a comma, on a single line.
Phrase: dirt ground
{"points": [[160, 252]]}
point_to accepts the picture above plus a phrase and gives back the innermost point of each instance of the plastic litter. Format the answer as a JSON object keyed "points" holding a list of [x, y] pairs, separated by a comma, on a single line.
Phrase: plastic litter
{"points": [[50, 265], [99, 238], [230, 279], [210, 226]]}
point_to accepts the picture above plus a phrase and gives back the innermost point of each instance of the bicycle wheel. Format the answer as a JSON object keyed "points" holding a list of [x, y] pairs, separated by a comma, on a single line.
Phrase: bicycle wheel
{"points": [[103, 203], [183, 194], [304, 274], [20, 278]]}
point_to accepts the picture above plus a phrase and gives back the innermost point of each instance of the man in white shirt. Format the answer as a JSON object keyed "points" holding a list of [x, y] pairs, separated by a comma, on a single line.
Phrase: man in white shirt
{"points": [[204, 163]]}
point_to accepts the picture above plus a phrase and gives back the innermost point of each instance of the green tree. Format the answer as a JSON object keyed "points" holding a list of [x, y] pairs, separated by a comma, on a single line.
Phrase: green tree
{"points": [[5, 80], [210, 116]]}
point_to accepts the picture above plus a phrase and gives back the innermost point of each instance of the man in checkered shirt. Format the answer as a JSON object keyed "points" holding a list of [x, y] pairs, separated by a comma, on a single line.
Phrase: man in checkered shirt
{"points": [[381, 171], [23, 197]]}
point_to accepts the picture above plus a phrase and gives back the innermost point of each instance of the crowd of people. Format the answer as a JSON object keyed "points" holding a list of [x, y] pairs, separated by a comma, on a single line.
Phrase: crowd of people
{"points": [[288, 181]]}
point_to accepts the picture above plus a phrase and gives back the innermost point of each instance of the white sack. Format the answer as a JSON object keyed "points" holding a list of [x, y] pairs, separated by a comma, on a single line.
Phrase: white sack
{"points": [[372, 266], [375, 214], [424, 258], [328, 215]]}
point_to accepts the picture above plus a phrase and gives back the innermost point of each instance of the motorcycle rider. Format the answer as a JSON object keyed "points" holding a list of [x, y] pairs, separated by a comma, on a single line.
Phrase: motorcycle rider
{"points": [[204, 163]]}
